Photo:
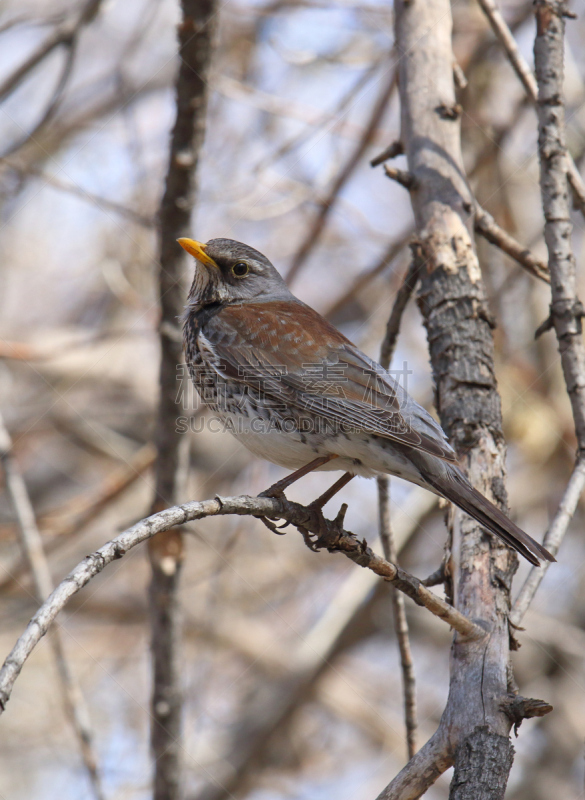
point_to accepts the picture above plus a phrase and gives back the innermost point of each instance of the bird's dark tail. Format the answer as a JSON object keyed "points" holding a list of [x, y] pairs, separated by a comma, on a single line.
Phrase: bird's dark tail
{"points": [[456, 488]]}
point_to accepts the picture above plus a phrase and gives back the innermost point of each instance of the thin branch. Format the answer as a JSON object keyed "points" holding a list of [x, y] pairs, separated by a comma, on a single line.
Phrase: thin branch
{"points": [[101, 202], [401, 176], [330, 535], [195, 34], [393, 150], [402, 297], [431, 761], [552, 541], [74, 515], [522, 69], [317, 226], [328, 120], [368, 275], [385, 527], [32, 545], [400, 621], [65, 34], [486, 225]]}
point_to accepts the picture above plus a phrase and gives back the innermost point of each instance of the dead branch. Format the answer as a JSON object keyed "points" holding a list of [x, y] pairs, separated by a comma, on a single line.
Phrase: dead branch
{"points": [[368, 275], [393, 150], [32, 546], [400, 621], [195, 34], [486, 225], [66, 35], [317, 226], [552, 541], [566, 308], [386, 533], [422, 770], [453, 303], [401, 176], [324, 533], [401, 301], [522, 69]]}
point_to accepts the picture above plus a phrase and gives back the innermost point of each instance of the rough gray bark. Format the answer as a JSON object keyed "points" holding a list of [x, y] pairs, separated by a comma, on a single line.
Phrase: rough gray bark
{"points": [[195, 44], [484, 763], [453, 304]]}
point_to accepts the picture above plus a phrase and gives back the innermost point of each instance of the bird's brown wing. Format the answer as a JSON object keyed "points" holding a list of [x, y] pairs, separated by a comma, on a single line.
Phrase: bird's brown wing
{"points": [[297, 358]]}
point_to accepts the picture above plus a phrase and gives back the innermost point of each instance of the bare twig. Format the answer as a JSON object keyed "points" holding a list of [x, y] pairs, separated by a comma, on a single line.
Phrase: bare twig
{"points": [[329, 535], [385, 527], [101, 202], [552, 541], [393, 150], [459, 76], [317, 226], [401, 176], [368, 275], [68, 36], [490, 230], [522, 69], [400, 621], [64, 35], [422, 770], [402, 297], [32, 546], [76, 514], [195, 33]]}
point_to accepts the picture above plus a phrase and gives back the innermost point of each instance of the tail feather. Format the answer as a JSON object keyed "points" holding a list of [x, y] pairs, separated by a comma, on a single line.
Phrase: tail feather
{"points": [[458, 490]]}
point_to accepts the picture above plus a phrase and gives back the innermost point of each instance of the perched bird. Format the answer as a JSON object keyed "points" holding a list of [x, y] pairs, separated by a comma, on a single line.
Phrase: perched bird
{"points": [[297, 392]]}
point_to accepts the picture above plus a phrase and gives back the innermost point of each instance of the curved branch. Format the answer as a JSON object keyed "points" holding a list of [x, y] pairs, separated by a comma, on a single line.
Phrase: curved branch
{"points": [[422, 770], [309, 520]]}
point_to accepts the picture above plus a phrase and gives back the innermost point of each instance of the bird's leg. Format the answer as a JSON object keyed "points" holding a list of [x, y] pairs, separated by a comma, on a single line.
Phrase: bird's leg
{"points": [[278, 488], [332, 491]]}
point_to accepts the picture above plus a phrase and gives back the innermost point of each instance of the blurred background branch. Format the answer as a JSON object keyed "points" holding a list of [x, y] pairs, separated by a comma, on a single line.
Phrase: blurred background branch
{"points": [[195, 44]]}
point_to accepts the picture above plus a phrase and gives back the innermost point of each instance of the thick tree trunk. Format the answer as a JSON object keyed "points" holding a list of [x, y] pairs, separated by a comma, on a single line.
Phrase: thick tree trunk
{"points": [[459, 328], [166, 551]]}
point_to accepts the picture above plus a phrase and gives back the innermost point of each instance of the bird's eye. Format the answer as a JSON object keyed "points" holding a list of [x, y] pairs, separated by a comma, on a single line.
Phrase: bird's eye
{"points": [[240, 269]]}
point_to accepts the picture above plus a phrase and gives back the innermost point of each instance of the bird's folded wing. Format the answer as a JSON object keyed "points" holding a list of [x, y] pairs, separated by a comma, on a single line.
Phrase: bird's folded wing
{"points": [[321, 372]]}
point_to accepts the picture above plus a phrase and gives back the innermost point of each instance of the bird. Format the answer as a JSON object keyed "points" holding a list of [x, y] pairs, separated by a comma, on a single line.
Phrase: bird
{"points": [[295, 391]]}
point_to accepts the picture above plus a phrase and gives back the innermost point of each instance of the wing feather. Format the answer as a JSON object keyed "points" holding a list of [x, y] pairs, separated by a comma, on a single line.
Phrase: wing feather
{"points": [[297, 358]]}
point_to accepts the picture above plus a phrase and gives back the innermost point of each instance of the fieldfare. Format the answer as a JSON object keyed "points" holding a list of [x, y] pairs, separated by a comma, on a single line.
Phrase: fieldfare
{"points": [[297, 392]]}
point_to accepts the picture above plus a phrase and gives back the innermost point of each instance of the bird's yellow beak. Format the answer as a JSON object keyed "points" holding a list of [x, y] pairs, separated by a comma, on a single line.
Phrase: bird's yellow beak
{"points": [[197, 249]]}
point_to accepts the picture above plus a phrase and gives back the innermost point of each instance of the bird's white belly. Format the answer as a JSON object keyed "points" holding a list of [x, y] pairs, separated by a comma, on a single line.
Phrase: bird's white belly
{"points": [[357, 453]]}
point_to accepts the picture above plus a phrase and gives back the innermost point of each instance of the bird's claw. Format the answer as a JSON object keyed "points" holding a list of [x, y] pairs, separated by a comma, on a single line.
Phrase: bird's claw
{"points": [[277, 529]]}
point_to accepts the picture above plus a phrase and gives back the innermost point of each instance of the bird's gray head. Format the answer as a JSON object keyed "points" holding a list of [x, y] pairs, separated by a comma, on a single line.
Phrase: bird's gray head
{"points": [[229, 271]]}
